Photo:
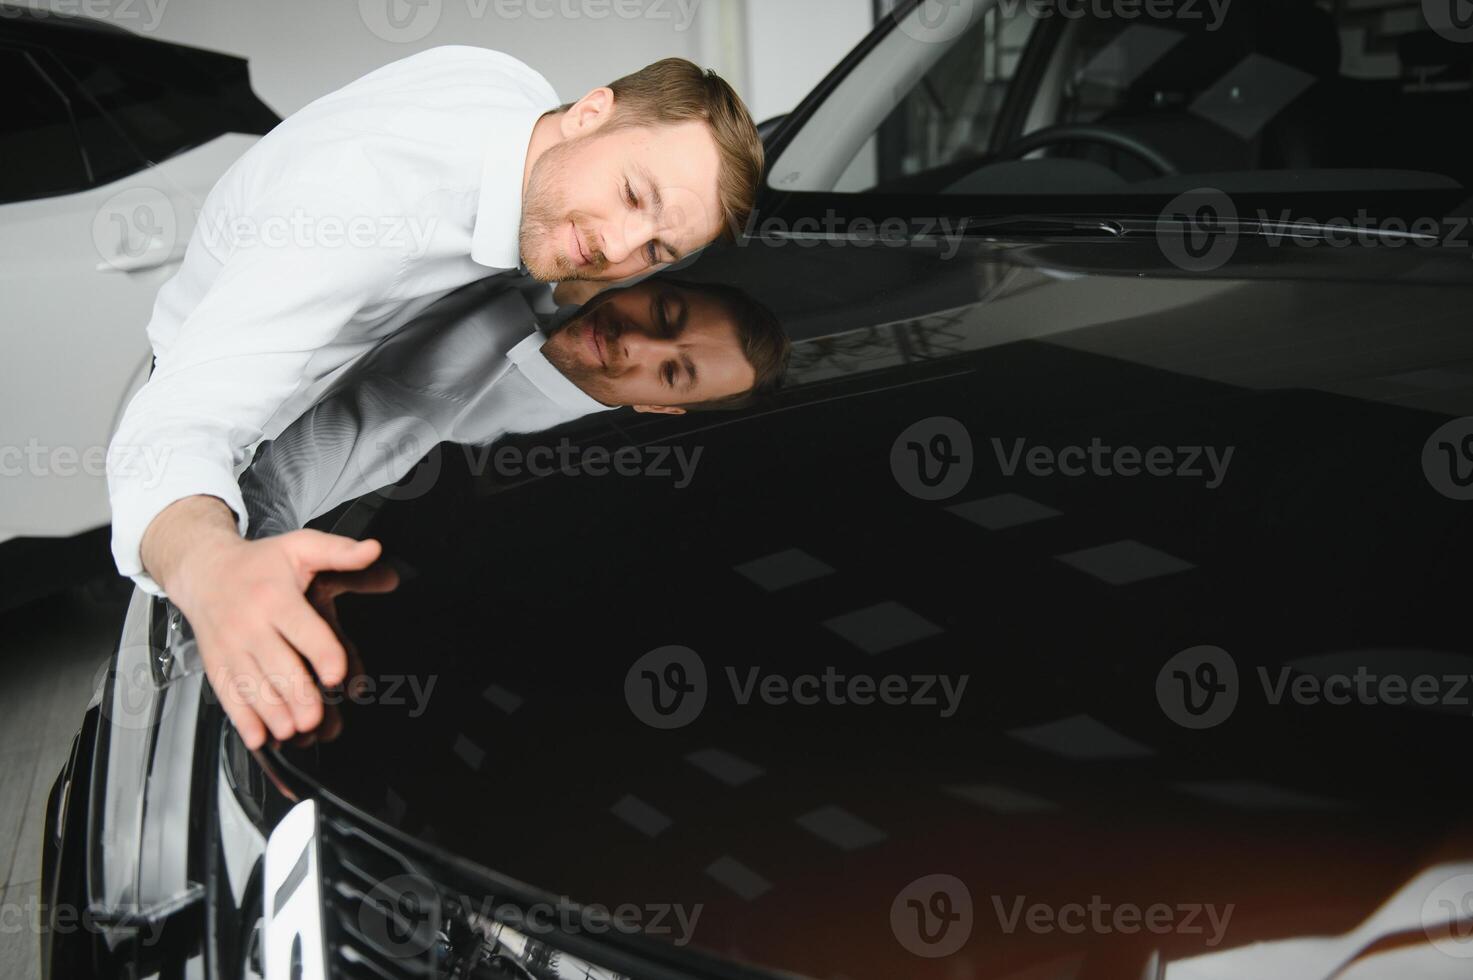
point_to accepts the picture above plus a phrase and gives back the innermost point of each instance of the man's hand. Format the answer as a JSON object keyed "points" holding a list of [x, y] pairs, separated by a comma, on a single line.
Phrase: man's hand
{"points": [[246, 602]]}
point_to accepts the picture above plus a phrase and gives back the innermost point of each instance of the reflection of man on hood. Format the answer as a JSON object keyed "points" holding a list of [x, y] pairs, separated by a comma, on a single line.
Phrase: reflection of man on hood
{"points": [[473, 368]]}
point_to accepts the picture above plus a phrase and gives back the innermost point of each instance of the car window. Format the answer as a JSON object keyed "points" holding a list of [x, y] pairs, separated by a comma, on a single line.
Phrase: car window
{"points": [[952, 112], [39, 153], [158, 109], [1260, 94]]}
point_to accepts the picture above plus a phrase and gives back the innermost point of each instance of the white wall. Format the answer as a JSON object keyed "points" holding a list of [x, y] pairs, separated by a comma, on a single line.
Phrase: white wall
{"points": [[773, 51], [793, 44]]}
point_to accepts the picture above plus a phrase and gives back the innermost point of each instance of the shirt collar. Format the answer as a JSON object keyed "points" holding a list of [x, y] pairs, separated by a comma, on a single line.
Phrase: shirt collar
{"points": [[496, 239], [536, 368]]}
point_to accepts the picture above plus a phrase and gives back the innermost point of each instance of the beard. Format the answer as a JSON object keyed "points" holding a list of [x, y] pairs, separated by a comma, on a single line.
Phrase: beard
{"points": [[545, 212], [561, 353], [591, 381]]}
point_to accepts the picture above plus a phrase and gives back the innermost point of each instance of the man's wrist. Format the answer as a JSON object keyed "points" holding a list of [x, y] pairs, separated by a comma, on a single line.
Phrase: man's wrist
{"points": [[185, 529]]}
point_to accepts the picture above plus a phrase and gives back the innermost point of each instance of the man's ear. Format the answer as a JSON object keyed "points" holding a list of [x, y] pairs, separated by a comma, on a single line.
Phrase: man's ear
{"points": [[588, 113], [658, 410]]}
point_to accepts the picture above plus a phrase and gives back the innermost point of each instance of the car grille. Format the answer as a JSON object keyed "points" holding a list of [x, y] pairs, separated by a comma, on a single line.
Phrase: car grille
{"points": [[384, 919]]}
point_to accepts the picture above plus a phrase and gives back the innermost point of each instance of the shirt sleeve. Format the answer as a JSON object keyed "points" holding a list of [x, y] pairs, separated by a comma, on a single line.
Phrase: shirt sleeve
{"points": [[293, 274]]}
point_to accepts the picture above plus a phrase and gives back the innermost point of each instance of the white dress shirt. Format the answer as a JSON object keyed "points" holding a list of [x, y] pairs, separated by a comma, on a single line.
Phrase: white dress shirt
{"points": [[467, 371], [403, 185]]}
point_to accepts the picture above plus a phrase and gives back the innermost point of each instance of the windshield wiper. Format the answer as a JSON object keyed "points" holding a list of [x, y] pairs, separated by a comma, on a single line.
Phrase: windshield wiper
{"points": [[1273, 230], [1135, 226], [1043, 224]]}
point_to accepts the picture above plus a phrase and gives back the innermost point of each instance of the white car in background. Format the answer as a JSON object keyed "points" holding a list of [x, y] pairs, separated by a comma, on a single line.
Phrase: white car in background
{"points": [[109, 143]]}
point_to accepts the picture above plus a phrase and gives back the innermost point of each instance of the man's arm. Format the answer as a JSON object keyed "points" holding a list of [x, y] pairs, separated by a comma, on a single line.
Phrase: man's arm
{"points": [[240, 353]]}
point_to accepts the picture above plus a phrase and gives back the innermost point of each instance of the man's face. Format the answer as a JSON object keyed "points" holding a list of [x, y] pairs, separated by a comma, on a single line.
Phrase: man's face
{"points": [[609, 205], [655, 347]]}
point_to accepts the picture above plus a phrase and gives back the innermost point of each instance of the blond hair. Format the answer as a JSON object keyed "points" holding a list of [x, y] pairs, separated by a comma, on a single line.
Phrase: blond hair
{"points": [[675, 91]]}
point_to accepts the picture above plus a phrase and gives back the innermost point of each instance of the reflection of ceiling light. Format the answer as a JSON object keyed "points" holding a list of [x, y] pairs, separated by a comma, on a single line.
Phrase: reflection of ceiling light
{"points": [[1270, 87], [1129, 56]]}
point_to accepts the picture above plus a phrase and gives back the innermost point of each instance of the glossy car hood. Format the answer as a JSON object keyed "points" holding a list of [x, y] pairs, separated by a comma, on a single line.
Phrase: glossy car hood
{"points": [[633, 689]]}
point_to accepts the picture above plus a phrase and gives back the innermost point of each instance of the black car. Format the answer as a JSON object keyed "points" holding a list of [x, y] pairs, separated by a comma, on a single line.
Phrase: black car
{"points": [[1090, 602]]}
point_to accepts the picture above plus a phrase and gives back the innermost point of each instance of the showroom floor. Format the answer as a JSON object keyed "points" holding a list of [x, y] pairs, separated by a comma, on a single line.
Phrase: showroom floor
{"points": [[52, 652]]}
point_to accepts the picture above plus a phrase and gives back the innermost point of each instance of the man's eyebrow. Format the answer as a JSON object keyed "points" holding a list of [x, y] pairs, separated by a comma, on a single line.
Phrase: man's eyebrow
{"points": [[690, 371]]}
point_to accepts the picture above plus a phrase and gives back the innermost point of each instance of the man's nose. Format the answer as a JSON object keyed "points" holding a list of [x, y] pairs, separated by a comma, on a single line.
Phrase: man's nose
{"points": [[643, 348], [627, 237]]}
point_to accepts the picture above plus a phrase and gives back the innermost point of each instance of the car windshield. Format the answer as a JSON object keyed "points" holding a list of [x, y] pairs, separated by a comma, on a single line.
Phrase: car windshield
{"points": [[1064, 98]]}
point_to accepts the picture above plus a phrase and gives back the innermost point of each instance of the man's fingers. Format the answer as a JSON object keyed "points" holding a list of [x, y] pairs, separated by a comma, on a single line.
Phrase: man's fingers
{"points": [[289, 688], [316, 552], [250, 701], [377, 580], [314, 639], [241, 714]]}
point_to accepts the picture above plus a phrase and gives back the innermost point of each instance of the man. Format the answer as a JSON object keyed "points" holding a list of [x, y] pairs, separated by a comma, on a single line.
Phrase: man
{"points": [[411, 181]]}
